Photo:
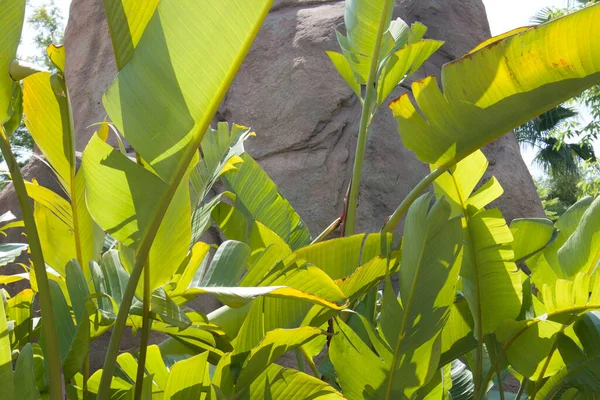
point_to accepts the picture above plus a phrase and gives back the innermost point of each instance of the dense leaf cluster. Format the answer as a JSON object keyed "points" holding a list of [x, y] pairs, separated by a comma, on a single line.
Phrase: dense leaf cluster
{"points": [[467, 300]]}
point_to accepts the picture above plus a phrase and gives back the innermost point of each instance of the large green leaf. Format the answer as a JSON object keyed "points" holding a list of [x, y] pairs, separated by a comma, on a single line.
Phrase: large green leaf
{"points": [[530, 344], [284, 383], [457, 335], [189, 379], [117, 194], [24, 377], [583, 363], [341, 257], [491, 281], [545, 265], [49, 120], [227, 265], [581, 252], [64, 322], [531, 235], [410, 324], [12, 14], [19, 310], [47, 117], [275, 344], [499, 87], [347, 351], [180, 43], [127, 20], [258, 196]]}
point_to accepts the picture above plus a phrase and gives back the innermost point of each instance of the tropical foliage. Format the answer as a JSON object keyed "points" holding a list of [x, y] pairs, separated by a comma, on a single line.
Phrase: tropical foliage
{"points": [[563, 138], [467, 303]]}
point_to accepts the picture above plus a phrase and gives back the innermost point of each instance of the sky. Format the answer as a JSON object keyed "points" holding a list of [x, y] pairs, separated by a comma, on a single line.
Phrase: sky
{"points": [[503, 16]]}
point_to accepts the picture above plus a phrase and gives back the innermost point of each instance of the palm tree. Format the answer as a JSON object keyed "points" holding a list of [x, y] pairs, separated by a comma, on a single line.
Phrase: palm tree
{"points": [[555, 156]]}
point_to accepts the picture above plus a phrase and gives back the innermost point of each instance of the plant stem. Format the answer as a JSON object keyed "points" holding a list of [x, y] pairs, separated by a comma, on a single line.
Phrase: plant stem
{"points": [[299, 360], [146, 325], [332, 227], [521, 389], [310, 362], [86, 376], [412, 196], [365, 124], [39, 266], [371, 304]]}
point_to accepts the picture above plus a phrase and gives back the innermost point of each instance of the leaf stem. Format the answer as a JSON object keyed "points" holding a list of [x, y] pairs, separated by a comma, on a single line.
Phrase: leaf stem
{"points": [[310, 362], [39, 266], [365, 124], [86, 376], [146, 325], [412, 196], [332, 227], [299, 360]]}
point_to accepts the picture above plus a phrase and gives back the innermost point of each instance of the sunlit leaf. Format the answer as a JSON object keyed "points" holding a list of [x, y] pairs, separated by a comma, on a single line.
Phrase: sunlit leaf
{"points": [[12, 14], [509, 82]]}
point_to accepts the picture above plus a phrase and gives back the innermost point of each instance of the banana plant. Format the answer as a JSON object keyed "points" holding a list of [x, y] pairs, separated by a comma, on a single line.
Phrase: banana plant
{"points": [[461, 294], [563, 289], [511, 79], [490, 280], [407, 338], [378, 53], [12, 14]]}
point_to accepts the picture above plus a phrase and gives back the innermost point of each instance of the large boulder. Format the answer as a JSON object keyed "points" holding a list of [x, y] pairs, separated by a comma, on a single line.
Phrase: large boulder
{"points": [[305, 116]]}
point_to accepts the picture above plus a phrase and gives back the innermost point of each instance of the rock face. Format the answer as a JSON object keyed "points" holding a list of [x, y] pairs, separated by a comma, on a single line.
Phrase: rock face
{"points": [[305, 116]]}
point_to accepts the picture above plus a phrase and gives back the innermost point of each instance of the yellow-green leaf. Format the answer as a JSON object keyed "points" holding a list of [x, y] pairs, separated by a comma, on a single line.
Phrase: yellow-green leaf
{"points": [[402, 63], [158, 101], [275, 344], [189, 379], [47, 119], [499, 87], [581, 252], [119, 196], [127, 20], [491, 280], [12, 13]]}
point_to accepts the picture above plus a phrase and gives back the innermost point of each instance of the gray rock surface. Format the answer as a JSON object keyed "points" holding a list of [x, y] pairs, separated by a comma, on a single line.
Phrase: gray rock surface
{"points": [[306, 118]]}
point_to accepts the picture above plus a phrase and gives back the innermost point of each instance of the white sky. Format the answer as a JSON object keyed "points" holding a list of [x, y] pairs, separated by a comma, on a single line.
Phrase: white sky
{"points": [[503, 16]]}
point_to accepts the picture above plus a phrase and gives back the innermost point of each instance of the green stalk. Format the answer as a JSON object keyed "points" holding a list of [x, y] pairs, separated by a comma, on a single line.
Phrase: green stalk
{"points": [[86, 376], [365, 124], [310, 362], [134, 277], [146, 325], [299, 360], [412, 196], [37, 257]]}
